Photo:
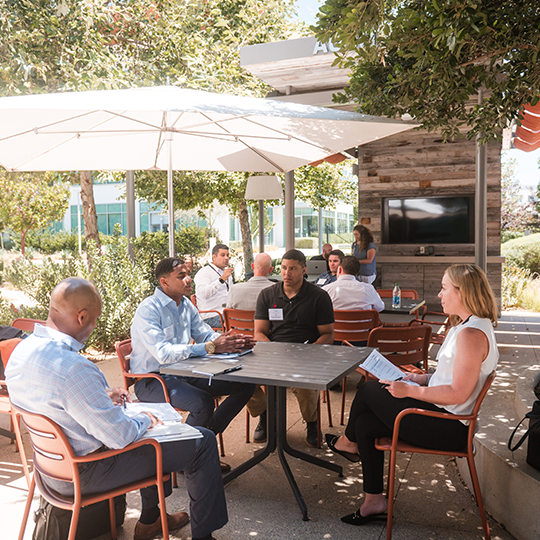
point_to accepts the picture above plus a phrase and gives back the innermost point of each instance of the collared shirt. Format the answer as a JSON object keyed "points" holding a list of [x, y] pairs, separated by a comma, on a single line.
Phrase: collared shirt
{"points": [[349, 293], [46, 375], [300, 315], [325, 279], [244, 295], [161, 332], [211, 293]]}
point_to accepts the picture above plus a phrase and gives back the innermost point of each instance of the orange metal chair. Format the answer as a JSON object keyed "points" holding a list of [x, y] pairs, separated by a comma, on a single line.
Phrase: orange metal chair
{"points": [[403, 346], [353, 325], [26, 325], [53, 457], [123, 351], [394, 445], [193, 299], [239, 321], [439, 322]]}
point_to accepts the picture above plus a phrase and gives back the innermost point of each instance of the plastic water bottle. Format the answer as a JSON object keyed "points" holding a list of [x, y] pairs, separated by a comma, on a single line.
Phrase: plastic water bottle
{"points": [[396, 297]]}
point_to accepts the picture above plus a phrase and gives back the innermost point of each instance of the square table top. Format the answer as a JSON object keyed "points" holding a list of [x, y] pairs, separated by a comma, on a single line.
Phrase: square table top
{"points": [[406, 305], [316, 367]]}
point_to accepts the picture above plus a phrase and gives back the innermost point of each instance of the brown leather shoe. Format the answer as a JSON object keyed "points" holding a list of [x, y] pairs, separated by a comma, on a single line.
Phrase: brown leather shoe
{"points": [[225, 467], [148, 532]]}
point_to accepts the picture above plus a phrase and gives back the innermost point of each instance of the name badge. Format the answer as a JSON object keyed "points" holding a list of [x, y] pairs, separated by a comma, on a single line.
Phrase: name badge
{"points": [[321, 281], [275, 314]]}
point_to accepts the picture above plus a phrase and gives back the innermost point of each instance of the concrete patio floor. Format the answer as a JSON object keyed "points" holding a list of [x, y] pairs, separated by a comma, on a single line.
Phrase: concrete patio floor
{"points": [[432, 500]]}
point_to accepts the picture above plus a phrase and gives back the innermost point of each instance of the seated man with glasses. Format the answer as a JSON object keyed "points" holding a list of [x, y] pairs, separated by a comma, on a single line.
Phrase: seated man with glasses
{"points": [[167, 328]]}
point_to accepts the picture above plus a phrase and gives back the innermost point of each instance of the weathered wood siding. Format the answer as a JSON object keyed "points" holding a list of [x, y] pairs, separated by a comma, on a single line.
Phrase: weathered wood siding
{"points": [[420, 164]]}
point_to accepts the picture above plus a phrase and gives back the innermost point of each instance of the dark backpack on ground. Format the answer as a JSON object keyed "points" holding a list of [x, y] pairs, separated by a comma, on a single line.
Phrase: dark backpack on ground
{"points": [[94, 520], [533, 433]]}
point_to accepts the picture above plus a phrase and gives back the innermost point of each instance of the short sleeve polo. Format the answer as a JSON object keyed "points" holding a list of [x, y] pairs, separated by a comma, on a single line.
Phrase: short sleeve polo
{"points": [[300, 315]]}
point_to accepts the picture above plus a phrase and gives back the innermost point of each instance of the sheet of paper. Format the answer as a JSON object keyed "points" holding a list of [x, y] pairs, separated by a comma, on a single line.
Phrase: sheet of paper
{"points": [[382, 368], [164, 411], [172, 429], [228, 356]]}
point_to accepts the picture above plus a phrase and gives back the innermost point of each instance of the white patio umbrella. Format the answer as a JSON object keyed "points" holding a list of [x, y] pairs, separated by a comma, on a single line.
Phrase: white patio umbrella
{"points": [[168, 128]]}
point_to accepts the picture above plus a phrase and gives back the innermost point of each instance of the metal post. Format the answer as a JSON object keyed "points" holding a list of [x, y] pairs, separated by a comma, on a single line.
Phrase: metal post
{"points": [[261, 226], [289, 210], [320, 230], [170, 199], [130, 211], [480, 239]]}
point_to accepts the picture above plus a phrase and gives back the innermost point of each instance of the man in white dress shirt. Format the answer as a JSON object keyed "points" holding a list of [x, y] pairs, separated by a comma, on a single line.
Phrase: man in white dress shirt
{"points": [[244, 296], [349, 293], [212, 284]]}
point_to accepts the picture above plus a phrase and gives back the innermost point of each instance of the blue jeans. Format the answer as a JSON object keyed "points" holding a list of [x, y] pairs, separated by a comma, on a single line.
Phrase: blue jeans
{"points": [[196, 396]]}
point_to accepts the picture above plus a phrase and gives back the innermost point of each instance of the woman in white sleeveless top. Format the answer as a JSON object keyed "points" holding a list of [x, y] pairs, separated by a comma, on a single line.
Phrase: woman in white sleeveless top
{"points": [[468, 355]]}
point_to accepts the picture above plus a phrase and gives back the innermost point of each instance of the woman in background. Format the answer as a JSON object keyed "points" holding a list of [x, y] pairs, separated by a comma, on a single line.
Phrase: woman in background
{"points": [[465, 360], [363, 249]]}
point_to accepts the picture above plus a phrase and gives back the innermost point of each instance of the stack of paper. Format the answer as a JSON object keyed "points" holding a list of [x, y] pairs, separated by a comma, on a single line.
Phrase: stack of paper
{"points": [[382, 368], [172, 429]]}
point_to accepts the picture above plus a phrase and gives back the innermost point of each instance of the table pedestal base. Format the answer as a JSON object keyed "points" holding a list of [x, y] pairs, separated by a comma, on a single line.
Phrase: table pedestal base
{"points": [[277, 440]]}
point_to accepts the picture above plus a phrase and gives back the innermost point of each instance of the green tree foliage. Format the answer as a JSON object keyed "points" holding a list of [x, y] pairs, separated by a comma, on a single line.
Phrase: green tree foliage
{"points": [[428, 57], [30, 201], [518, 212]]}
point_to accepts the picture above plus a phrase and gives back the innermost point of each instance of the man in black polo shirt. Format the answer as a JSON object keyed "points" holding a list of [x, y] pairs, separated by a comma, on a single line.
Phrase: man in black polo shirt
{"points": [[296, 311]]}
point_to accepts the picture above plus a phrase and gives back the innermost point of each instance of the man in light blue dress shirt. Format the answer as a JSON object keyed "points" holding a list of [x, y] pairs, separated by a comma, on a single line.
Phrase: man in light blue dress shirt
{"points": [[167, 328], [47, 375]]}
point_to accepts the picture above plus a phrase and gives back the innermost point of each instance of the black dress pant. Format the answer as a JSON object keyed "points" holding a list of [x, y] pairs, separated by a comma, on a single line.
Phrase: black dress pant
{"points": [[372, 415]]}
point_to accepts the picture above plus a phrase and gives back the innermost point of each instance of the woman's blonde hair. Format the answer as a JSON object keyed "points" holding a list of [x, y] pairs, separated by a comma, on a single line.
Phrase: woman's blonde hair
{"points": [[475, 291]]}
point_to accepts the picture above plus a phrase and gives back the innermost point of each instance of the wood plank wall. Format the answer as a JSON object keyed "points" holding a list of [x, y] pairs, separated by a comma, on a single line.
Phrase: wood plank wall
{"points": [[420, 164]]}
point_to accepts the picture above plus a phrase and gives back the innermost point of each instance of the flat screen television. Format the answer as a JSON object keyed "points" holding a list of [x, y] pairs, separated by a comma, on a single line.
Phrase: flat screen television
{"points": [[428, 220]]}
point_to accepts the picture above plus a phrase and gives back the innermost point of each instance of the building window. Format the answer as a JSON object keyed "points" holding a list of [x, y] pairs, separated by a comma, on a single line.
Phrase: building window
{"points": [[107, 217]]}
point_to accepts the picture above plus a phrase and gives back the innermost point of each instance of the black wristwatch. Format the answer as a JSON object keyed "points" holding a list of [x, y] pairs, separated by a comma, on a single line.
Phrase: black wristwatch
{"points": [[221, 281]]}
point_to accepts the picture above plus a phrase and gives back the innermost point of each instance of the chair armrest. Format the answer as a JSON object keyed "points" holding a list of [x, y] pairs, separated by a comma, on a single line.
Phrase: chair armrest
{"points": [[110, 453], [424, 412], [151, 376], [217, 313]]}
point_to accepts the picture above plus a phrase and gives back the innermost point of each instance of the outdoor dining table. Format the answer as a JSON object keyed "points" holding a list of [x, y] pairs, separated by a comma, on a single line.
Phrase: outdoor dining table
{"points": [[279, 366], [407, 307]]}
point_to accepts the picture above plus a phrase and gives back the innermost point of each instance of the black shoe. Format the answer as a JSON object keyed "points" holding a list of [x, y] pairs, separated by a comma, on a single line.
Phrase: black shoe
{"points": [[311, 438], [260, 430], [336, 387]]}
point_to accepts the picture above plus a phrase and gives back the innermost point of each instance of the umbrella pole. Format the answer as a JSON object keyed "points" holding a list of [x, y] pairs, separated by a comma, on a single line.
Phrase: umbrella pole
{"points": [[170, 200]]}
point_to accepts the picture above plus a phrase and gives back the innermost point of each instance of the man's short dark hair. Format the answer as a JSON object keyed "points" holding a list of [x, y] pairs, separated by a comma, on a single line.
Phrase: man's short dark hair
{"points": [[217, 247], [350, 265], [166, 266], [295, 255], [337, 252]]}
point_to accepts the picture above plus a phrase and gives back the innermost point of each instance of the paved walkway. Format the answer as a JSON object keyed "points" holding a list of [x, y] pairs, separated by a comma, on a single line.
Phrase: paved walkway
{"points": [[432, 501]]}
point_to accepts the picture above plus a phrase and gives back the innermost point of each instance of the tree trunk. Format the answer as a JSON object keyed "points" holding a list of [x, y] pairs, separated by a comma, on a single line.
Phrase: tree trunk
{"points": [[89, 209], [247, 244]]}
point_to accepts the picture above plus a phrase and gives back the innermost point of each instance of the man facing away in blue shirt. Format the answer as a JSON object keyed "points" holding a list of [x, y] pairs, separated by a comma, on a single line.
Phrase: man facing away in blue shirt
{"points": [[166, 329], [47, 375]]}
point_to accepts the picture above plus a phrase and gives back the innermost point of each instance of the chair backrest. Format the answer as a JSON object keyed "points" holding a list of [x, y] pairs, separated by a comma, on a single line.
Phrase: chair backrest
{"points": [[402, 345], [53, 455], [239, 321], [26, 325], [354, 325], [405, 293], [123, 350]]}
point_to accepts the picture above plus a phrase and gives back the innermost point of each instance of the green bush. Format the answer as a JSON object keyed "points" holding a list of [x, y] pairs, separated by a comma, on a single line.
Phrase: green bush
{"points": [[49, 243], [149, 248], [304, 243], [523, 252], [514, 282], [122, 286]]}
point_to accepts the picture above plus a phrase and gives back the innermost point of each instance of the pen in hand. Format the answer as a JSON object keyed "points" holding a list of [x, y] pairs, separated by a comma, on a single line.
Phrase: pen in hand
{"points": [[124, 401]]}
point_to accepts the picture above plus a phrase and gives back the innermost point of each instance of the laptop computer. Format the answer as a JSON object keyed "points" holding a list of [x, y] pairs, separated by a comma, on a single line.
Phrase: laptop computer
{"points": [[315, 268]]}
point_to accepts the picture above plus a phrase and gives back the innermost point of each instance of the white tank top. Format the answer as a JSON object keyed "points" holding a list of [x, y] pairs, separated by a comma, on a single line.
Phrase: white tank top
{"points": [[446, 356]]}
